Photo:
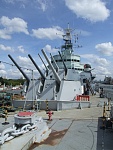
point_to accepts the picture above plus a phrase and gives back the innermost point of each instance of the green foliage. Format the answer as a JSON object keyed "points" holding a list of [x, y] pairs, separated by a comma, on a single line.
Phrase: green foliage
{"points": [[12, 82]]}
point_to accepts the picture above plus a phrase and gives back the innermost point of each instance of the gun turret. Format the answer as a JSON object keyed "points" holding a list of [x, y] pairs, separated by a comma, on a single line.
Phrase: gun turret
{"points": [[52, 68], [25, 76], [65, 68], [42, 75], [57, 68], [47, 70]]}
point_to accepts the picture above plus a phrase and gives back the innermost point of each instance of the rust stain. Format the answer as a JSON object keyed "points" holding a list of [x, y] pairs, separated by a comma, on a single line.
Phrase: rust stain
{"points": [[44, 132], [53, 139]]}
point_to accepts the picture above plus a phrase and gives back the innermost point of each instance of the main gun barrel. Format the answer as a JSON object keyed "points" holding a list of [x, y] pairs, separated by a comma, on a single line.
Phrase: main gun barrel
{"points": [[65, 68], [42, 75], [47, 70], [25, 76], [57, 68], [52, 68]]}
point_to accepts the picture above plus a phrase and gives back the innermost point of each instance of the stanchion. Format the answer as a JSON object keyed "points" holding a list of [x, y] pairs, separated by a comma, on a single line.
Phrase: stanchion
{"points": [[6, 115], [47, 105], [103, 124], [104, 111], [108, 104], [104, 117], [39, 103]]}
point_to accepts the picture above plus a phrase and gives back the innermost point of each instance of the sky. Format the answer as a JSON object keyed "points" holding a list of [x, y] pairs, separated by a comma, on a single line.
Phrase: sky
{"points": [[28, 26]]}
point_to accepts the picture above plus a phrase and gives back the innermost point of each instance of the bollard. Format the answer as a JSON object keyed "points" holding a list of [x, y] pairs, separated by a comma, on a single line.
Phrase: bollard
{"points": [[50, 113], [108, 123]]}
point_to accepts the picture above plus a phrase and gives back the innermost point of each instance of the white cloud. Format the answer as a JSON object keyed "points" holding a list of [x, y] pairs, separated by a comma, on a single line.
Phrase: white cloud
{"points": [[25, 64], [10, 26], [83, 32], [14, 1], [50, 33], [21, 3], [6, 48], [24, 60], [28, 67], [105, 48], [3, 72], [9, 1], [21, 49], [101, 61], [100, 65], [2, 66], [96, 60], [14, 73], [49, 49], [101, 73], [102, 70], [40, 4], [4, 34], [93, 10], [43, 4]]}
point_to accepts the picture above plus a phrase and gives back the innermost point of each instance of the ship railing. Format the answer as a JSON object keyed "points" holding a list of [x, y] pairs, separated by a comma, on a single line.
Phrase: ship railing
{"points": [[82, 98]]}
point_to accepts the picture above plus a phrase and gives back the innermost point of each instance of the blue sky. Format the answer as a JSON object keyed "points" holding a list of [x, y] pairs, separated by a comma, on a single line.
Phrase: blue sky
{"points": [[28, 26]]}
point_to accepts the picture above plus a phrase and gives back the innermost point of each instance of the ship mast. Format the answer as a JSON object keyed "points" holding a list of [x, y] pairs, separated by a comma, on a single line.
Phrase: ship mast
{"points": [[67, 38]]}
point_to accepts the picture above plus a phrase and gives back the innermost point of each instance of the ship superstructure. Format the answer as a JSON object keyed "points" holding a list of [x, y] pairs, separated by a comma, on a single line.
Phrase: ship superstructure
{"points": [[71, 60], [65, 76]]}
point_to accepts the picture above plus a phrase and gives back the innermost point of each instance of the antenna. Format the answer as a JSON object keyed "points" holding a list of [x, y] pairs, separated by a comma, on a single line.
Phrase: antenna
{"points": [[76, 41], [68, 25]]}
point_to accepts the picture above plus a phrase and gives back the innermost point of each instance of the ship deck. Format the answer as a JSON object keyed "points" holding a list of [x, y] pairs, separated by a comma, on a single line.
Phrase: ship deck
{"points": [[76, 129]]}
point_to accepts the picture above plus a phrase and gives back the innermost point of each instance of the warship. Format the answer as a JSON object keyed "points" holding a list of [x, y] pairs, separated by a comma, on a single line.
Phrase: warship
{"points": [[64, 77], [64, 80]]}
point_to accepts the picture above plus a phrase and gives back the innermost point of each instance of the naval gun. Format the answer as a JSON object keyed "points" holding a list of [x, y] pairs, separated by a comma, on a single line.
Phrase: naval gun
{"points": [[19, 68], [47, 70], [39, 84], [42, 75], [52, 68], [52, 83], [56, 66]]}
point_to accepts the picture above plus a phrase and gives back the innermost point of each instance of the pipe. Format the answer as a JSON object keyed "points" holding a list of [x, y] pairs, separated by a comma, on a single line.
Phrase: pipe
{"points": [[52, 68]]}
